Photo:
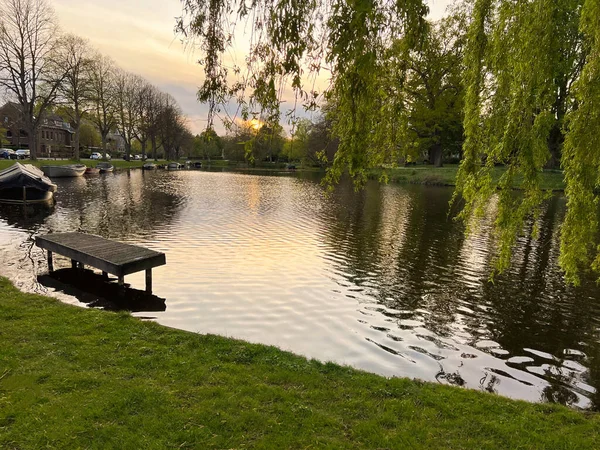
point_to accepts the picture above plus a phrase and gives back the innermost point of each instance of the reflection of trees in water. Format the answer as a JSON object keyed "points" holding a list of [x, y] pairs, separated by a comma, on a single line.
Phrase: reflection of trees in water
{"points": [[404, 238], [29, 217], [409, 255], [116, 206], [533, 308]]}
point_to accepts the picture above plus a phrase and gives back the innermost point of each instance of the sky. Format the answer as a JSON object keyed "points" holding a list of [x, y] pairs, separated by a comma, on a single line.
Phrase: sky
{"points": [[139, 36]]}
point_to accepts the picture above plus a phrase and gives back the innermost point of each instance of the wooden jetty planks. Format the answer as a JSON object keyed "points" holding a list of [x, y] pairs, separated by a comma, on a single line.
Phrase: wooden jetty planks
{"points": [[109, 256]]}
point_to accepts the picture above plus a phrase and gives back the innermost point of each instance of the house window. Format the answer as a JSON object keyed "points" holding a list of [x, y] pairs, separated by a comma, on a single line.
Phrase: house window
{"points": [[8, 133]]}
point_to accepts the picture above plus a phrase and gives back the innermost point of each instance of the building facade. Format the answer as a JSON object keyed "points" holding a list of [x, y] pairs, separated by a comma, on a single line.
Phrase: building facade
{"points": [[54, 136]]}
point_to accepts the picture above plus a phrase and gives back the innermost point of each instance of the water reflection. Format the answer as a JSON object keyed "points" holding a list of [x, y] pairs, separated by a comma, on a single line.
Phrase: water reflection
{"points": [[428, 284], [381, 279], [26, 217]]}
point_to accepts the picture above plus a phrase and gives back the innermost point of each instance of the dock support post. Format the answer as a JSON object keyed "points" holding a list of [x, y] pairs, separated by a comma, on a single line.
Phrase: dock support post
{"points": [[105, 275], [73, 264], [50, 263], [81, 266], [148, 281], [121, 280]]}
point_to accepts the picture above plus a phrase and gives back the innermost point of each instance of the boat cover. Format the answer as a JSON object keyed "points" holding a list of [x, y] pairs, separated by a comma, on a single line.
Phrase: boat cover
{"points": [[25, 175]]}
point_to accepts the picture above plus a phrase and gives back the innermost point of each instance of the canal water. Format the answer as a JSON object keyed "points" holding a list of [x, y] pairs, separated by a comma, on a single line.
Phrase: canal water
{"points": [[383, 279]]}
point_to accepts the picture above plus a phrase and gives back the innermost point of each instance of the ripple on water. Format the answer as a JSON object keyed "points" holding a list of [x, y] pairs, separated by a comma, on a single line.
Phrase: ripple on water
{"points": [[378, 279]]}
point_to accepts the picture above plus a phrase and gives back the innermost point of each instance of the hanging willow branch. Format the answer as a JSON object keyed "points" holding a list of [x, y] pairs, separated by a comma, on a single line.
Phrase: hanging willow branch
{"points": [[292, 41], [521, 63]]}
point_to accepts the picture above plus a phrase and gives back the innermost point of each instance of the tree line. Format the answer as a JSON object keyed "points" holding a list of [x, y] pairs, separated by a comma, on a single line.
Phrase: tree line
{"points": [[44, 70]]}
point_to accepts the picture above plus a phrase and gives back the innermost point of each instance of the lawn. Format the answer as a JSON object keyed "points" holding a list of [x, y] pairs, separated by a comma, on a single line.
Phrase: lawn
{"points": [[446, 176], [79, 378], [118, 163]]}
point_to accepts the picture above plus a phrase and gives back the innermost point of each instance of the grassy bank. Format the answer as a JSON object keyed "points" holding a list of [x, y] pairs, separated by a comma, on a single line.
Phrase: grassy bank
{"points": [[76, 378], [446, 176], [118, 164]]}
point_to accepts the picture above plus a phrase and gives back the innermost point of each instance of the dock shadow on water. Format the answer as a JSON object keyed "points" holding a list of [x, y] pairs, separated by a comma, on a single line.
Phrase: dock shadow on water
{"points": [[97, 291]]}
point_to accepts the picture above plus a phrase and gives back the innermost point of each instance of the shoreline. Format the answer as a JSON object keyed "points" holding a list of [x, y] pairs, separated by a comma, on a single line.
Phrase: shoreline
{"points": [[77, 377], [423, 175]]}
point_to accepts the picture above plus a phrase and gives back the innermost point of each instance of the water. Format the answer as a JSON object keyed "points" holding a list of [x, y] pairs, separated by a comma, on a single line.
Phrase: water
{"points": [[381, 280]]}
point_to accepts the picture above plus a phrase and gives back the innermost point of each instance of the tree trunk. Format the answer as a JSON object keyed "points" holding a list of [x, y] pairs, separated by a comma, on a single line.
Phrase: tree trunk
{"points": [[555, 143], [104, 146], [32, 142], [143, 150], [435, 155], [153, 142], [76, 142]]}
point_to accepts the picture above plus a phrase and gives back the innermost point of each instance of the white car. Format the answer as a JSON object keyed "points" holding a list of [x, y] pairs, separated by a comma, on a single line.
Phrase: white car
{"points": [[22, 153], [97, 155]]}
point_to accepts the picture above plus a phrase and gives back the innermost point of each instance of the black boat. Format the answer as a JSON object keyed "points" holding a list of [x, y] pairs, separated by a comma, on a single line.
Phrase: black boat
{"points": [[198, 165], [25, 184]]}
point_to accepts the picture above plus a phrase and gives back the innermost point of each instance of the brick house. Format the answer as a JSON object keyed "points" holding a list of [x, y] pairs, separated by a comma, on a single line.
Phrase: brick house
{"points": [[54, 138]]}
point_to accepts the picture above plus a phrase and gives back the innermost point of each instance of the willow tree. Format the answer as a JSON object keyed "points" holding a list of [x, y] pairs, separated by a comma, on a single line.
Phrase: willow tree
{"points": [[526, 93], [289, 43]]}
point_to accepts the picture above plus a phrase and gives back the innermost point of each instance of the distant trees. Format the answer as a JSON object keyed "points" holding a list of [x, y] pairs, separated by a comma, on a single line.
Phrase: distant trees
{"points": [[311, 142], [41, 69], [28, 43], [208, 145], [432, 90]]}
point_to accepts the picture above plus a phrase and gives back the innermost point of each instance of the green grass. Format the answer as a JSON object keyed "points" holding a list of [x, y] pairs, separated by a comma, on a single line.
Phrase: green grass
{"points": [[118, 164], [77, 378], [446, 176]]}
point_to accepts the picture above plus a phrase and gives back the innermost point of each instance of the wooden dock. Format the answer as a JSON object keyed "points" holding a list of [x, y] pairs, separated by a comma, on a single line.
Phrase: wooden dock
{"points": [[106, 255]]}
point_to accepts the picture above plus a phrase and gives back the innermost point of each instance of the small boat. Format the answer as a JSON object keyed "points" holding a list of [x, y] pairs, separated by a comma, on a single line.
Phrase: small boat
{"points": [[149, 166], [25, 184], [70, 170], [173, 166], [105, 167], [92, 171], [198, 165]]}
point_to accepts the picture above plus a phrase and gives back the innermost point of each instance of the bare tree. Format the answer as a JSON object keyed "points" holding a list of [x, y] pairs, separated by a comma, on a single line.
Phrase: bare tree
{"points": [[172, 127], [75, 56], [127, 87], [146, 113], [28, 34], [103, 112], [155, 106]]}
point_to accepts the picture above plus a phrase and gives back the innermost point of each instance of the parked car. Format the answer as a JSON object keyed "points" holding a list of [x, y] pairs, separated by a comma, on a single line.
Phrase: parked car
{"points": [[6, 153], [137, 157], [22, 153], [97, 155]]}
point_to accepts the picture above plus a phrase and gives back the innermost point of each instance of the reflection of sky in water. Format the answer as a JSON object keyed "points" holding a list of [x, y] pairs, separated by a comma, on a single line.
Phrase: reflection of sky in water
{"points": [[382, 280]]}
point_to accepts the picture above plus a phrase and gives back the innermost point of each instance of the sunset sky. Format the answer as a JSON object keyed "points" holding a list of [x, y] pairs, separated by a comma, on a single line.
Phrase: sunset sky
{"points": [[138, 35]]}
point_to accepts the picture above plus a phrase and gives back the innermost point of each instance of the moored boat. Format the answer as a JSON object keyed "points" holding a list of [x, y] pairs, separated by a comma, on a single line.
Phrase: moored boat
{"points": [[25, 184], [105, 167], [149, 166], [92, 171], [69, 170]]}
